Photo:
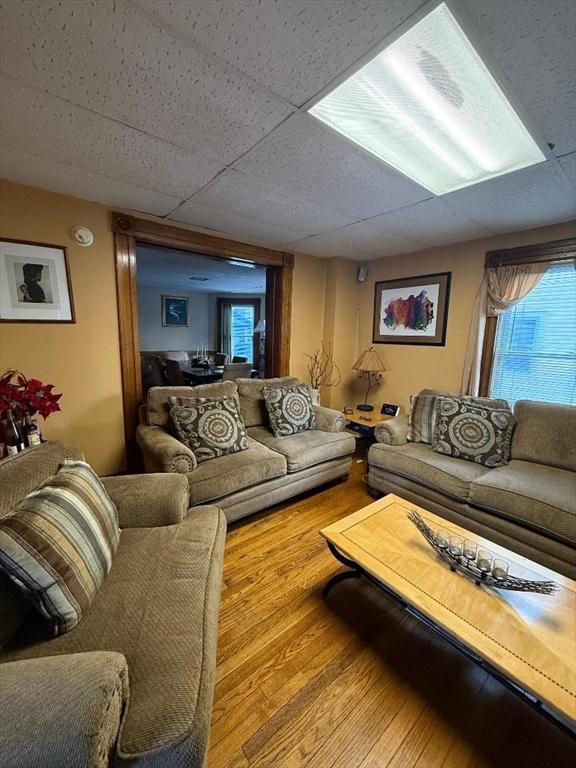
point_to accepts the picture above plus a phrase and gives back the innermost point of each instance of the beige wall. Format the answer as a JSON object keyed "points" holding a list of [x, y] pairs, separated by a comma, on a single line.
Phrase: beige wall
{"points": [[410, 368], [81, 360], [308, 292]]}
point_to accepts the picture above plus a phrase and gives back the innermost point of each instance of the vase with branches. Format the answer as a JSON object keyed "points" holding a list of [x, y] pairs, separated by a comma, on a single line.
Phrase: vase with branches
{"points": [[322, 369]]}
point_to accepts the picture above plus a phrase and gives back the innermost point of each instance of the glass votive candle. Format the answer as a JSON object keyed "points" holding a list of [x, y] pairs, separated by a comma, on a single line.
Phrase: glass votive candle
{"points": [[470, 549], [455, 545], [500, 569], [442, 538], [484, 561]]}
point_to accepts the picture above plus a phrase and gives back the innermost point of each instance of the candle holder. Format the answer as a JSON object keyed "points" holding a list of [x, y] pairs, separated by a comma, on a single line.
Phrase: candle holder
{"points": [[479, 564]]}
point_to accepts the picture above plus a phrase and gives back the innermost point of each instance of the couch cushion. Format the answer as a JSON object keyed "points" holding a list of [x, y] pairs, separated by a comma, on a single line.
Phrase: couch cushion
{"points": [[290, 409], [305, 449], [541, 497], [210, 427], [252, 405], [418, 461], [545, 433], [57, 545], [219, 477], [158, 607], [473, 432], [158, 410]]}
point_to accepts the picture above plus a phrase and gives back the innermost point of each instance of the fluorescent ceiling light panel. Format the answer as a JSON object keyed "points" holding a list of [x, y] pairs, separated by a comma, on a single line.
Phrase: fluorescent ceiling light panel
{"points": [[428, 106]]}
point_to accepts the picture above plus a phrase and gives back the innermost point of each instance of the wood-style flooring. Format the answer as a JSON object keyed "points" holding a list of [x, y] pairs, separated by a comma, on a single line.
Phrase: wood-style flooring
{"points": [[351, 680]]}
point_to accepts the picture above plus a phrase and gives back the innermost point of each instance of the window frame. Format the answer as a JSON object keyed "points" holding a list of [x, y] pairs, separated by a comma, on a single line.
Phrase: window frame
{"points": [[556, 250], [256, 303]]}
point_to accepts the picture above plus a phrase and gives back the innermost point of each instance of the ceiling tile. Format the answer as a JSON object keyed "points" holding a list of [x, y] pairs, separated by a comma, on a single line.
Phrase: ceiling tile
{"points": [[233, 224], [295, 47], [430, 222], [317, 164], [568, 163], [362, 241], [107, 57], [533, 197], [533, 43], [268, 203], [44, 125], [29, 169]]}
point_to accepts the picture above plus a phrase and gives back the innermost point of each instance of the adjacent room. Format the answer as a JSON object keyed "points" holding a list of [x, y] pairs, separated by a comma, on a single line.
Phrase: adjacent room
{"points": [[287, 383]]}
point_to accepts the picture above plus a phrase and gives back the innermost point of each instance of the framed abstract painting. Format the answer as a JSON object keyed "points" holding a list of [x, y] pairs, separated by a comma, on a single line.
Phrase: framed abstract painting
{"points": [[175, 311], [413, 310]]}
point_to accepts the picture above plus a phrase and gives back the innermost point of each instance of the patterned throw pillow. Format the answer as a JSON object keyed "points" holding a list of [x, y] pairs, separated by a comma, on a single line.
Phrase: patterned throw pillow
{"points": [[210, 427], [473, 432], [57, 544], [290, 409], [421, 419]]}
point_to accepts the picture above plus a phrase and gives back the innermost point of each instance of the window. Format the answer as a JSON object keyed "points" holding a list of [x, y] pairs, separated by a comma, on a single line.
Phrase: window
{"points": [[535, 349], [243, 331]]}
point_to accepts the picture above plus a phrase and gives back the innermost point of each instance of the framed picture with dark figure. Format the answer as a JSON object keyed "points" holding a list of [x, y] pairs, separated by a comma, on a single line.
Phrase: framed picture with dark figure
{"points": [[175, 311], [34, 283], [412, 310]]}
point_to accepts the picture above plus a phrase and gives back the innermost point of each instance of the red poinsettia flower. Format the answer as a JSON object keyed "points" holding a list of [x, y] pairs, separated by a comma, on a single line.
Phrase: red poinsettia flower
{"points": [[27, 396]]}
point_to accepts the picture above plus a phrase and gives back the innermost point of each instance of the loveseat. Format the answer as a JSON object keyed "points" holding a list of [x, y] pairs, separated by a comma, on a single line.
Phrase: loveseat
{"points": [[270, 470], [132, 684], [529, 505]]}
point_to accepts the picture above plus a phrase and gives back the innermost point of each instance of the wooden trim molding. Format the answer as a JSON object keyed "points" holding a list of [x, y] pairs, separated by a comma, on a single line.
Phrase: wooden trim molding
{"points": [[556, 250], [487, 360], [130, 230]]}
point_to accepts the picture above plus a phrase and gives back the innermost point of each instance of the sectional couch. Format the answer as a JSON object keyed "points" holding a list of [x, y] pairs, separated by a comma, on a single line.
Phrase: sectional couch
{"points": [[529, 505], [270, 470]]}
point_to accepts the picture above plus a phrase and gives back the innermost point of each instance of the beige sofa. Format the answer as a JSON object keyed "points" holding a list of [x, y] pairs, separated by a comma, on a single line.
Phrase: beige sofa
{"points": [[132, 684], [269, 471], [528, 505]]}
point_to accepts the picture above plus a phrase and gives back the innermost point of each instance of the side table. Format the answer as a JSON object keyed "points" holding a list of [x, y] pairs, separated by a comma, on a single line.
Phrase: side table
{"points": [[363, 424]]}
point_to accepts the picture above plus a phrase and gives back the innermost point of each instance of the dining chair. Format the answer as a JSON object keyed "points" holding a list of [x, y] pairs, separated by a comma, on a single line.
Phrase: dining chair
{"points": [[174, 373], [236, 371], [238, 359], [220, 358]]}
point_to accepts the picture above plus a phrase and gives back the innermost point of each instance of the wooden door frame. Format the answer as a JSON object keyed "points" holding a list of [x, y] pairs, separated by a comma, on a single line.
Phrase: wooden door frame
{"points": [[128, 232]]}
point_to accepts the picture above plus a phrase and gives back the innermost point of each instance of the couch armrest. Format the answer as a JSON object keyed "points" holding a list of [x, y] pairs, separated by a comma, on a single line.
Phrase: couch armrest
{"points": [[62, 710], [392, 432], [148, 501], [163, 452], [329, 420]]}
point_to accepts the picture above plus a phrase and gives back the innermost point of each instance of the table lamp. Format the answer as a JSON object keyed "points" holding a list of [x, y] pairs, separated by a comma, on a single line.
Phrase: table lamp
{"points": [[370, 366]]}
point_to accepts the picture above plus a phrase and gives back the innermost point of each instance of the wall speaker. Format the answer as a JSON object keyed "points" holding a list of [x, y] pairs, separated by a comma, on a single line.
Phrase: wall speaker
{"points": [[362, 273]]}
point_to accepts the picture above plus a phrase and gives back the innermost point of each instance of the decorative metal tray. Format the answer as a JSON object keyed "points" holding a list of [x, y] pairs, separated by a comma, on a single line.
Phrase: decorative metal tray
{"points": [[477, 563]]}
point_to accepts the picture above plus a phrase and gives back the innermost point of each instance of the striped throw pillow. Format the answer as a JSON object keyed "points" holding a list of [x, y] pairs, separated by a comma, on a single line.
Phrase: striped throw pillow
{"points": [[57, 544], [422, 419]]}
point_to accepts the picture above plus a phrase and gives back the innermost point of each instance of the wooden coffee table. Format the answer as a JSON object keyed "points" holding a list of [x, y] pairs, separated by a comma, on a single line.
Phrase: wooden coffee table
{"points": [[526, 640]]}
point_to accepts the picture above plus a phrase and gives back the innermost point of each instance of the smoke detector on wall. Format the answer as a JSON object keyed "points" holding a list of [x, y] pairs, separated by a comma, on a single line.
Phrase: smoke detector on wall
{"points": [[82, 236]]}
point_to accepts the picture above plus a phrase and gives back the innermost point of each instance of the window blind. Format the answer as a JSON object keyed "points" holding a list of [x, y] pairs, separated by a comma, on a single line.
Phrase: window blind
{"points": [[243, 330], [535, 350]]}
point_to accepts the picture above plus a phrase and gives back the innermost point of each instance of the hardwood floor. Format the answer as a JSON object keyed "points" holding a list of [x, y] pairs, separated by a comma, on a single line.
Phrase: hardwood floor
{"points": [[351, 680]]}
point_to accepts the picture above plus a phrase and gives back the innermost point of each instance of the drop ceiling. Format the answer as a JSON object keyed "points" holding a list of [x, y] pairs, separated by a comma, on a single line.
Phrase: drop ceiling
{"points": [[195, 111], [172, 270]]}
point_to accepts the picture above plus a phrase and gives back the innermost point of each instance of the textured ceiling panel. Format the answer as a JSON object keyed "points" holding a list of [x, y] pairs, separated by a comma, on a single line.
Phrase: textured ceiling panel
{"points": [[173, 269], [362, 241], [568, 163], [317, 164], [25, 168], [235, 191], [295, 47], [45, 125], [430, 222], [234, 225], [533, 197], [111, 59], [533, 43]]}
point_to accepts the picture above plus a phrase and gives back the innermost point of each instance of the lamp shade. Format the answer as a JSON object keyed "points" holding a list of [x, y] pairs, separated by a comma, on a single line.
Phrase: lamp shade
{"points": [[369, 360], [260, 326]]}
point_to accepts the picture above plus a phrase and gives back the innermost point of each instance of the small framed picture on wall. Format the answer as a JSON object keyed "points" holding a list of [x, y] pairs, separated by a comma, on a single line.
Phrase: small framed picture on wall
{"points": [[34, 283], [175, 311]]}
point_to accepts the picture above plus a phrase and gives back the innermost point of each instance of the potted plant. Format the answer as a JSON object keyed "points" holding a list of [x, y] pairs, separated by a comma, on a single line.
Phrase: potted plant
{"points": [[322, 371], [21, 399]]}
